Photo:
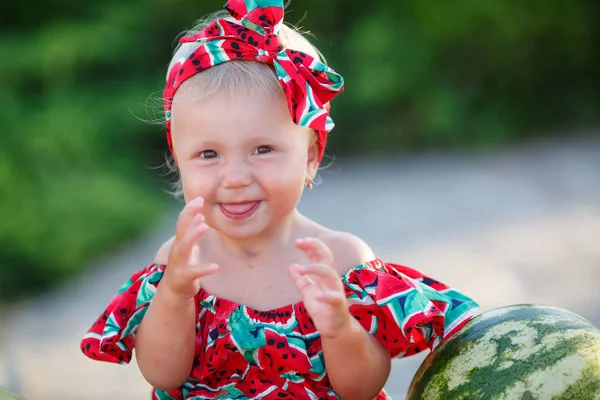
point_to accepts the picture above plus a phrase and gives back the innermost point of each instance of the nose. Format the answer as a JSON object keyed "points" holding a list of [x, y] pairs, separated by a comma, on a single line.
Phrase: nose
{"points": [[236, 174]]}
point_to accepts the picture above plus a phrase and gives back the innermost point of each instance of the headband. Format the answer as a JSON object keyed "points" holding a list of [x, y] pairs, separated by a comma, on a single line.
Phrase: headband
{"points": [[253, 34]]}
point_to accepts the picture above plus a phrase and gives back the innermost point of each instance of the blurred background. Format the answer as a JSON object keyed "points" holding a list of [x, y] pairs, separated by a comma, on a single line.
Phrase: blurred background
{"points": [[467, 145]]}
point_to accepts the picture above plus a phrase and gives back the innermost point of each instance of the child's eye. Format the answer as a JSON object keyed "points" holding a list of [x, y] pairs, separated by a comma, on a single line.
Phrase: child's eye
{"points": [[263, 149], [208, 154]]}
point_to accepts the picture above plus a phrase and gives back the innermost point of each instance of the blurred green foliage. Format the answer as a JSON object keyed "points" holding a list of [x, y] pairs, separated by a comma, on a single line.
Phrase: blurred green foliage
{"points": [[76, 77]]}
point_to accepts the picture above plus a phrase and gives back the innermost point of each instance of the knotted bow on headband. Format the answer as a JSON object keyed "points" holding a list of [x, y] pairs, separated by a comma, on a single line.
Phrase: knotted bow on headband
{"points": [[308, 84]]}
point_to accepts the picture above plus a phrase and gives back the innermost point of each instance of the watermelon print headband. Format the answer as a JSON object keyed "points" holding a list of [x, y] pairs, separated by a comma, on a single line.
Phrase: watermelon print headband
{"points": [[308, 84]]}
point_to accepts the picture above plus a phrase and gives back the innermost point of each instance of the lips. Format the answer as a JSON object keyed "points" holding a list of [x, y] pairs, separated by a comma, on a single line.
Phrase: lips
{"points": [[238, 211]]}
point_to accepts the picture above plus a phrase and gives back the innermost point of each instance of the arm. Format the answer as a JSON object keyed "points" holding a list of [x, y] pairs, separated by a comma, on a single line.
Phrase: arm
{"points": [[165, 341], [357, 365], [358, 374]]}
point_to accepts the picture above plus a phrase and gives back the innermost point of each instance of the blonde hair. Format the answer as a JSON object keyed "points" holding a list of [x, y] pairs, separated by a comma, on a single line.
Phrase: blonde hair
{"points": [[232, 76]]}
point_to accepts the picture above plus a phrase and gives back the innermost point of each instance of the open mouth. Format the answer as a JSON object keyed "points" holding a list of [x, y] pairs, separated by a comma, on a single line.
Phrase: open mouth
{"points": [[237, 211]]}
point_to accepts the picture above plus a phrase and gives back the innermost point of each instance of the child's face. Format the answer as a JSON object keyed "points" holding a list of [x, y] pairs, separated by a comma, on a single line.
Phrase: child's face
{"points": [[245, 157]]}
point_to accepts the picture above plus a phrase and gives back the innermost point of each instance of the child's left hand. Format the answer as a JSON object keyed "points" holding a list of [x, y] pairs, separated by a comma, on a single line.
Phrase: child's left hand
{"points": [[321, 288]]}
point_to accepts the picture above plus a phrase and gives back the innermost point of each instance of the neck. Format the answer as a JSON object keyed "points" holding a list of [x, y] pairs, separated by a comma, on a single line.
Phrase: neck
{"points": [[255, 248]]}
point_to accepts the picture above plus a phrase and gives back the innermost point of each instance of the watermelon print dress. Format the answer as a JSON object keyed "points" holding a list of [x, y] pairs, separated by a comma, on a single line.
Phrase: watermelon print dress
{"points": [[243, 353]]}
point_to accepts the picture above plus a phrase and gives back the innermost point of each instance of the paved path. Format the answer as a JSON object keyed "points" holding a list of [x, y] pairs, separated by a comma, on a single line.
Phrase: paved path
{"points": [[517, 226]]}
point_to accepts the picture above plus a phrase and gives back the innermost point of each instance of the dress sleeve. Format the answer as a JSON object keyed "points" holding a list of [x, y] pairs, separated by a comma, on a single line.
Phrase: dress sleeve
{"points": [[111, 338], [406, 311]]}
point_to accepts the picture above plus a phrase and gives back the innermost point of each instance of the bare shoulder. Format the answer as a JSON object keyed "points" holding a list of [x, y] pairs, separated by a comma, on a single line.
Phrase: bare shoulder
{"points": [[162, 255], [348, 250]]}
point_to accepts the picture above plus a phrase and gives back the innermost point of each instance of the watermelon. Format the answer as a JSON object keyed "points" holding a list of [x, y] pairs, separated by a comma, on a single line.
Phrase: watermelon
{"points": [[524, 351], [6, 395]]}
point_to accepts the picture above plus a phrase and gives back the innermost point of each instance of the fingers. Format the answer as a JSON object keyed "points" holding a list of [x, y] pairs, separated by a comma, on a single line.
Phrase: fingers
{"points": [[186, 281], [186, 216], [332, 298], [198, 271], [189, 240], [322, 273], [190, 227], [301, 280], [316, 250], [313, 288], [185, 249], [194, 255]]}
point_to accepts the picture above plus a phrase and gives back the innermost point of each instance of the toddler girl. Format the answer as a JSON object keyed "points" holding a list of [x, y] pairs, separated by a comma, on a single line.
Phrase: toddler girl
{"points": [[251, 299]]}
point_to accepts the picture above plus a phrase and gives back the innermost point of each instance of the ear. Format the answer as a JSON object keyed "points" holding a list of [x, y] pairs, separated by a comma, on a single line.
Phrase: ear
{"points": [[312, 162]]}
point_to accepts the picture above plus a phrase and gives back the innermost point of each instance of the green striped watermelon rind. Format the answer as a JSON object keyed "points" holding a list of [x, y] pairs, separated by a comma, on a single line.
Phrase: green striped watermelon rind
{"points": [[6, 395], [444, 375]]}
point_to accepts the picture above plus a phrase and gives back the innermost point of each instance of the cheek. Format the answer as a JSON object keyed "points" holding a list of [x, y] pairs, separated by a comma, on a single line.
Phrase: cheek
{"points": [[286, 182], [194, 183]]}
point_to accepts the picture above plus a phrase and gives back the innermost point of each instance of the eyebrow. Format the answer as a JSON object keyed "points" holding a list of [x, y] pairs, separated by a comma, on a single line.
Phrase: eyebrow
{"points": [[208, 143]]}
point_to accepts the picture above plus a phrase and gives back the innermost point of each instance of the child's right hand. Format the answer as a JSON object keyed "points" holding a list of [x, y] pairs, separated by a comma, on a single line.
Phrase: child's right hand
{"points": [[184, 270]]}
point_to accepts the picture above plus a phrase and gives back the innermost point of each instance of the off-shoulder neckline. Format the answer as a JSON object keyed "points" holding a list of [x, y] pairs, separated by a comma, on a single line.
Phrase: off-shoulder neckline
{"points": [[282, 311]]}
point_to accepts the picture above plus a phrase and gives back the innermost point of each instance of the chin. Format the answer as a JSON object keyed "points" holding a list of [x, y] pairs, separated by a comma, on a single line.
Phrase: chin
{"points": [[249, 229], [242, 232]]}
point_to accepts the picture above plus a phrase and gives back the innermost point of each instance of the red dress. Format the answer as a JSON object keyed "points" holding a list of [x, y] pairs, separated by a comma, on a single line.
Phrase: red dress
{"points": [[242, 353]]}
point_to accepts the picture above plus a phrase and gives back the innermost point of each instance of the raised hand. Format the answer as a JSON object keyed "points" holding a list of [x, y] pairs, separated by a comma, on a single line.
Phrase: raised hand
{"points": [[321, 288], [184, 270]]}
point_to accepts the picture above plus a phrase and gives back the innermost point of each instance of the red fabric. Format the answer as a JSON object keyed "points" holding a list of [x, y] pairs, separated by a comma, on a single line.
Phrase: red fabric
{"points": [[308, 84], [244, 352]]}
